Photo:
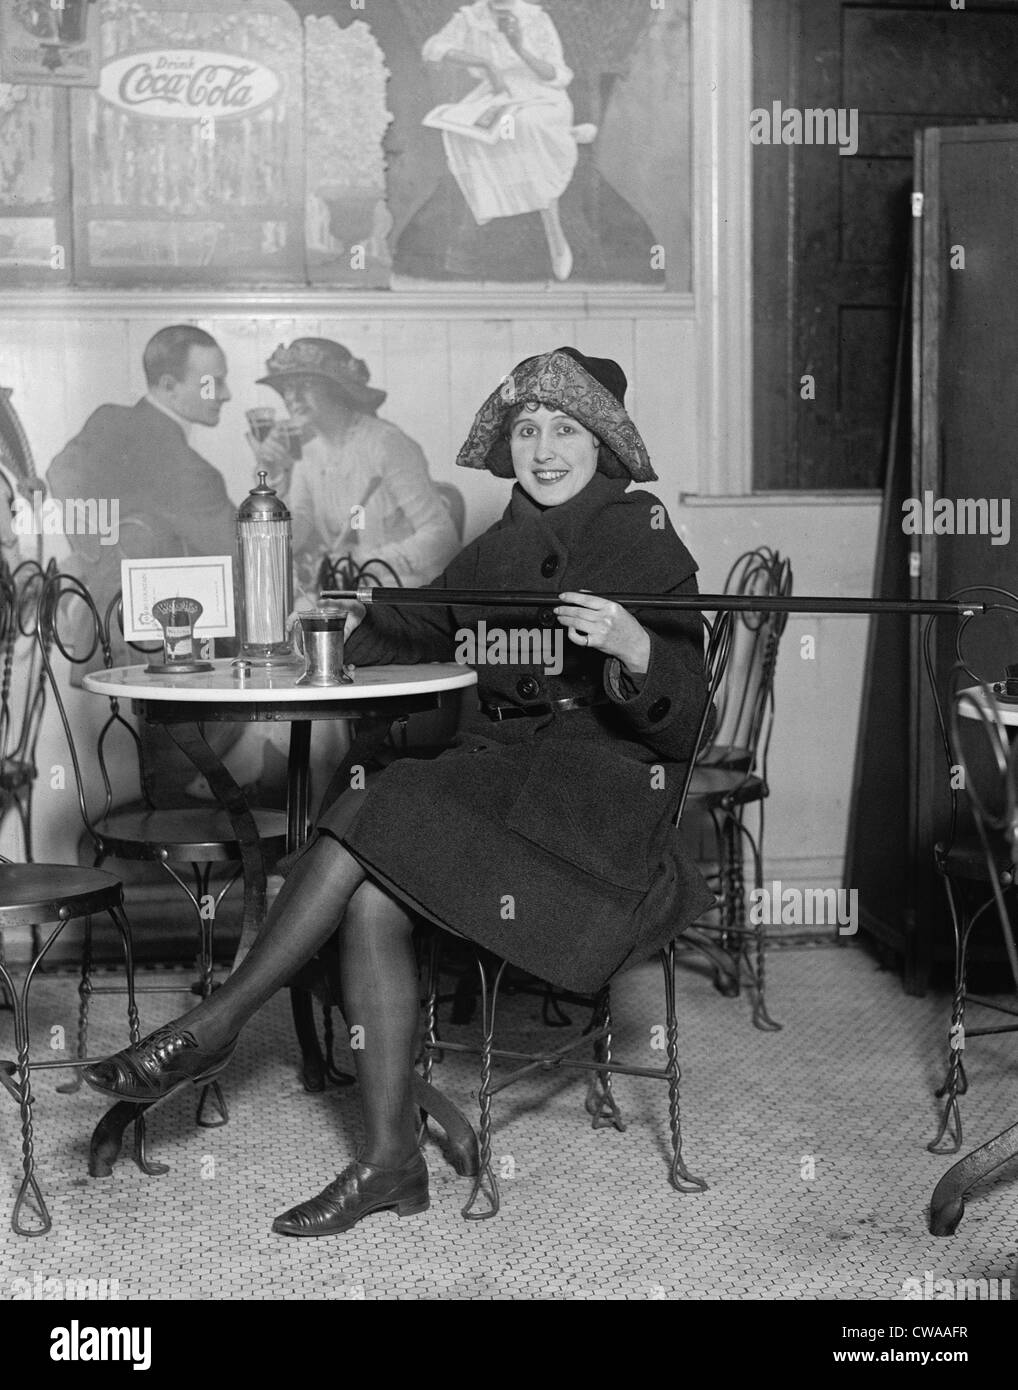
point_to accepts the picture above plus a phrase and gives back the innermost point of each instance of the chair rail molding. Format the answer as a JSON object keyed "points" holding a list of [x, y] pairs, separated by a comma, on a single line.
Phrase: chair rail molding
{"points": [[722, 242]]}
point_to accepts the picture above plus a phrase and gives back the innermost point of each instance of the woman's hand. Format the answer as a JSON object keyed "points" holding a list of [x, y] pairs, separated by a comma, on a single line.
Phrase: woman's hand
{"points": [[512, 29], [304, 603], [606, 627], [273, 457]]}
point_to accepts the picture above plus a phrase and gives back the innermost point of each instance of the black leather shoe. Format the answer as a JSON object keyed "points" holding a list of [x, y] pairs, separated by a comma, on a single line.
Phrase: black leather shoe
{"points": [[361, 1188], [460, 1139], [168, 1058]]}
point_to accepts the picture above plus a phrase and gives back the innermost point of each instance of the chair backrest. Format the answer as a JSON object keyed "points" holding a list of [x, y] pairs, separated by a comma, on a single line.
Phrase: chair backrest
{"points": [[719, 648], [345, 572], [746, 696], [69, 620], [23, 681], [457, 507], [990, 783], [1002, 600]]}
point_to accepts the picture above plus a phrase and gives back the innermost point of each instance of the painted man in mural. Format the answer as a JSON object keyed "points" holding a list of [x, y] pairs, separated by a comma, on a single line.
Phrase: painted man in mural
{"points": [[170, 500], [511, 144], [361, 487]]}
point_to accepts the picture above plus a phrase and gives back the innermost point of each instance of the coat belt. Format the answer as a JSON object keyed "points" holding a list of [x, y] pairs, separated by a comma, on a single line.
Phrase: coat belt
{"points": [[496, 713]]}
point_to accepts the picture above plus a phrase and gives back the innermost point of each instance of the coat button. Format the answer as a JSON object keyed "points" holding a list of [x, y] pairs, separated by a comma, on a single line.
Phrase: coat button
{"points": [[547, 618], [659, 709], [549, 565], [527, 688]]}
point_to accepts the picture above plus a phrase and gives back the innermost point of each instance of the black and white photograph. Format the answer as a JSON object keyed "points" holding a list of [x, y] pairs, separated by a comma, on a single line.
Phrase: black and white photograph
{"points": [[509, 641]]}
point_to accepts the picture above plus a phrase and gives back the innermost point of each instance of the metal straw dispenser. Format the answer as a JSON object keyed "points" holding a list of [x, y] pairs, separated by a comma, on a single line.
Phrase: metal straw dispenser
{"points": [[265, 577]]}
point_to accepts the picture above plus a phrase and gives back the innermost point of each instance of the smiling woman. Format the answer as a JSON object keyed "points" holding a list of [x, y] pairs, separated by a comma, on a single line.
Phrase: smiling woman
{"points": [[545, 833]]}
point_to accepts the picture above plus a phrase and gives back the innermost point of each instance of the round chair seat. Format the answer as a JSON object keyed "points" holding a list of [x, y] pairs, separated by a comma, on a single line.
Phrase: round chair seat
{"points": [[967, 860], [31, 894], [199, 834]]}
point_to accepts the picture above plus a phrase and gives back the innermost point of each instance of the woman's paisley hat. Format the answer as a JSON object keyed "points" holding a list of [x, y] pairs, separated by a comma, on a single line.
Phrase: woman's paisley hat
{"points": [[324, 358], [590, 389]]}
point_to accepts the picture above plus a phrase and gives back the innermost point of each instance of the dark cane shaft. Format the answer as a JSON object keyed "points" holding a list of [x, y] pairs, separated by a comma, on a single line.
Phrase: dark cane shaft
{"points": [[711, 603]]}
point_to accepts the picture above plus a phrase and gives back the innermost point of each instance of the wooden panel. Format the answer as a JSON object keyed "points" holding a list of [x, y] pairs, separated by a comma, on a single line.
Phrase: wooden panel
{"points": [[831, 231], [956, 63], [968, 421]]}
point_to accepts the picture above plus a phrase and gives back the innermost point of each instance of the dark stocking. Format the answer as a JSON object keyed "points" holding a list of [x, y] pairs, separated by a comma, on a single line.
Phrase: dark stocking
{"points": [[378, 970], [305, 914]]}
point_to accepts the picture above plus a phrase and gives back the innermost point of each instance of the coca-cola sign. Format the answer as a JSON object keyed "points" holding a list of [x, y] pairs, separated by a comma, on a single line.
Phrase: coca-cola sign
{"points": [[187, 84]]}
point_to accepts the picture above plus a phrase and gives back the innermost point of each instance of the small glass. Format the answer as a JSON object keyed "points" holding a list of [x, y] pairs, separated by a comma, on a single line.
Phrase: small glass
{"points": [[177, 618], [261, 420]]}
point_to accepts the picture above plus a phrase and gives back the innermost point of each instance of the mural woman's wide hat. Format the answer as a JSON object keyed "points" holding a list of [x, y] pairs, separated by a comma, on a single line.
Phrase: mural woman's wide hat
{"points": [[322, 357], [590, 389]]}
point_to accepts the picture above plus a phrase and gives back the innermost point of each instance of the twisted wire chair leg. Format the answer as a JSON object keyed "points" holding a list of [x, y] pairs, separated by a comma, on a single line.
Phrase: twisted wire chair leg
{"points": [[485, 1172], [23, 806], [70, 1088], [600, 1101], [430, 1055], [729, 895], [426, 1057], [761, 1017], [679, 1175], [949, 1136], [205, 905], [206, 929], [108, 1135], [15, 1077]]}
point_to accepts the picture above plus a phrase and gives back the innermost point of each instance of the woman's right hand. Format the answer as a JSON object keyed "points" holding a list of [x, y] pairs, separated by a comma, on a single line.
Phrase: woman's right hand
{"points": [[355, 612]]}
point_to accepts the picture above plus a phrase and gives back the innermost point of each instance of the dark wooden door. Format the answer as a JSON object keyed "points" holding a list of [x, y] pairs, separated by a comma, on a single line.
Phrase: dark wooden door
{"points": [[831, 231], [965, 437]]}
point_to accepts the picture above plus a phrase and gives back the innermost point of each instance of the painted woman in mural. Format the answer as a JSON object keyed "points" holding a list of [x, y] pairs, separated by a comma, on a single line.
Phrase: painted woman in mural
{"points": [[511, 144], [361, 487]]}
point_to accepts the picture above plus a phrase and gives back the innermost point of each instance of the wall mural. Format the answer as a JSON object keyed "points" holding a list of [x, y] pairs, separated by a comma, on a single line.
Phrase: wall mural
{"points": [[242, 142]]}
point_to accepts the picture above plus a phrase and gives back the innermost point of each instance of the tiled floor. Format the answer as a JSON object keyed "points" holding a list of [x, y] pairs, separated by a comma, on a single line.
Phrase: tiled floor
{"points": [[812, 1140]]}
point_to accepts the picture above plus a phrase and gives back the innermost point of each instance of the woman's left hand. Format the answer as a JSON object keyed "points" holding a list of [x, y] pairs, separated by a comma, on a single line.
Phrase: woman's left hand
{"points": [[607, 627]]}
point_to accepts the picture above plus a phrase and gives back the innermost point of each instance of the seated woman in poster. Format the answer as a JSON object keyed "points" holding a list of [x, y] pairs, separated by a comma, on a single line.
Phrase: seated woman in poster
{"points": [[516, 47]]}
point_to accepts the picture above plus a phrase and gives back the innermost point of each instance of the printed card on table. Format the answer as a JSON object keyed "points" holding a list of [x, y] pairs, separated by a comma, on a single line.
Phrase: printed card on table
{"points": [[207, 578]]}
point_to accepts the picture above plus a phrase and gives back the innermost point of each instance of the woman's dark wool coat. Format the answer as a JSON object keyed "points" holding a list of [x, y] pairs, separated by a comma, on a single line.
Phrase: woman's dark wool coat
{"points": [[549, 840]]}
